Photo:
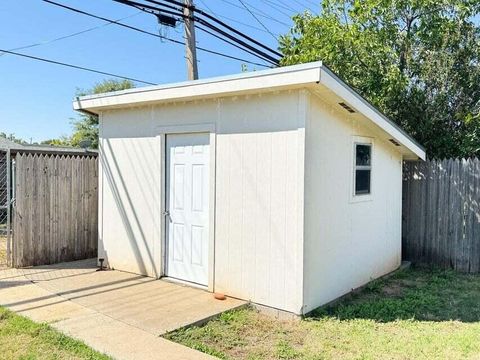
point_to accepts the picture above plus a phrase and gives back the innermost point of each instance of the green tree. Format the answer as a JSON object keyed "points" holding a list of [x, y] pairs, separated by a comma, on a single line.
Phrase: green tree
{"points": [[416, 60], [13, 138], [85, 128], [61, 141]]}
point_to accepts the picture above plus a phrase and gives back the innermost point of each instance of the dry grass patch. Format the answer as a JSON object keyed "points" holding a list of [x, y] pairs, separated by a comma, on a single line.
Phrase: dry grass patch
{"points": [[419, 313], [3, 250]]}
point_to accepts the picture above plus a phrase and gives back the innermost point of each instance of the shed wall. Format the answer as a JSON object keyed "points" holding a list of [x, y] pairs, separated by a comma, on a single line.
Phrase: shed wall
{"points": [[347, 242], [259, 161]]}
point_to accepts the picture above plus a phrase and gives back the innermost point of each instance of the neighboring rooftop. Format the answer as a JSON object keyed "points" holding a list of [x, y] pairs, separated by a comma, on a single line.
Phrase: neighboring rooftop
{"points": [[6, 144]]}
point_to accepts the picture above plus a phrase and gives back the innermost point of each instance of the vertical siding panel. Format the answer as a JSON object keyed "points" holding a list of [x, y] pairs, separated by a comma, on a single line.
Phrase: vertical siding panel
{"points": [[264, 173], [256, 230], [291, 221], [235, 190], [277, 252], [250, 214], [222, 214]]}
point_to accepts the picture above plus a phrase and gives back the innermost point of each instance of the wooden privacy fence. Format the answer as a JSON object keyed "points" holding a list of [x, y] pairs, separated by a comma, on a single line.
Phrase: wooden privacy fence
{"points": [[55, 212], [441, 213]]}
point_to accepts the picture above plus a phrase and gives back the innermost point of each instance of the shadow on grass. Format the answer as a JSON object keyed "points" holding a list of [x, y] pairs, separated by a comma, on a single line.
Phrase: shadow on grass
{"points": [[423, 294]]}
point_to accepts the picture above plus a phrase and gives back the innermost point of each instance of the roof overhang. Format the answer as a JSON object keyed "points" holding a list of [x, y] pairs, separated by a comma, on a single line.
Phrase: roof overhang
{"points": [[311, 75]]}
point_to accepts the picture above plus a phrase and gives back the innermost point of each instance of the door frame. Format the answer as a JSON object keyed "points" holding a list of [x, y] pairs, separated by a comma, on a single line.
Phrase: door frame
{"points": [[162, 133]]}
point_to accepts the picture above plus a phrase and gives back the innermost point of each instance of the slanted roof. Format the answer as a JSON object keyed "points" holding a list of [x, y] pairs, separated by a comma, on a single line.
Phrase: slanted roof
{"points": [[314, 76], [6, 144]]}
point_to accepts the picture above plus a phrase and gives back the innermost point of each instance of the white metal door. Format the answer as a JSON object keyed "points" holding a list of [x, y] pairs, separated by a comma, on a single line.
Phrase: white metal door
{"points": [[187, 216]]}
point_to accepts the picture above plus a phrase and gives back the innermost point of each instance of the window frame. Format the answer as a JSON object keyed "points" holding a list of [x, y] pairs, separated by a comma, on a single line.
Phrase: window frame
{"points": [[357, 140]]}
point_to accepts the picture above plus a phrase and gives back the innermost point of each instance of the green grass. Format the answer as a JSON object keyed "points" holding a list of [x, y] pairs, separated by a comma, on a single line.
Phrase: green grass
{"points": [[23, 339], [416, 314]]}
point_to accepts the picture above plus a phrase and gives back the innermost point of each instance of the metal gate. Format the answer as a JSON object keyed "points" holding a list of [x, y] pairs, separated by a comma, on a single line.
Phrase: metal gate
{"points": [[5, 208]]}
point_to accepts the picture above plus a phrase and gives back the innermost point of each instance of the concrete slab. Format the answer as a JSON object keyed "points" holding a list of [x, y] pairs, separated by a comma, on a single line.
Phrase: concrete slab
{"points": [[118, 313]]}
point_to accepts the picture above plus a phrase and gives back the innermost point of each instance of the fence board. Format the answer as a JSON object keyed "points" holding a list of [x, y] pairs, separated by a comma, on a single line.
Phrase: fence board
{"points": [[441, 213], [55, 215]]}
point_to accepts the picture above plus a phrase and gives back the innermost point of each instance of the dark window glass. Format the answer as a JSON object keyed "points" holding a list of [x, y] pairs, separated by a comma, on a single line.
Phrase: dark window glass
{"points": [[363, 153], [362, 182]]}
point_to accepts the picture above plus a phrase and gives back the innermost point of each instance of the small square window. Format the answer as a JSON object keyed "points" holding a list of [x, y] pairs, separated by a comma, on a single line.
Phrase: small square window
{"points": [[363, 168]]}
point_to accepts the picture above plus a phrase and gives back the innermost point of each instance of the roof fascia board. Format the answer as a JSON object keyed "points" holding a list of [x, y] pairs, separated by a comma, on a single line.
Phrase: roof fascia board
{"points": [[339, 87], [295, 76]]}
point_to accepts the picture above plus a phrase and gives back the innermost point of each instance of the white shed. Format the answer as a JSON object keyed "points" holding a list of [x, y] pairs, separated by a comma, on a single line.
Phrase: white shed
{"points": [[282, 187]]}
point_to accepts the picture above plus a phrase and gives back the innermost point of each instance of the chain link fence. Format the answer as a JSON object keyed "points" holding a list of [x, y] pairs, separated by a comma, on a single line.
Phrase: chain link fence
{"points": [[4, 206]]}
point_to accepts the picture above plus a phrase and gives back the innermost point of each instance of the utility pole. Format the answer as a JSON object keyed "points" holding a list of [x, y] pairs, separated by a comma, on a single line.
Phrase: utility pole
{"points": [[190, 43]]}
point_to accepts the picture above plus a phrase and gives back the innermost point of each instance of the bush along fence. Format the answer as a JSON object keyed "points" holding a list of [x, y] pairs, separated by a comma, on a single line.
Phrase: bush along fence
{"points": [[55, 213], [441, 213]]}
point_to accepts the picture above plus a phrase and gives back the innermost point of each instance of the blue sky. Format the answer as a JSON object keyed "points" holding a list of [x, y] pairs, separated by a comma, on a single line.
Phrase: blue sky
{"points": [[36, 97]]}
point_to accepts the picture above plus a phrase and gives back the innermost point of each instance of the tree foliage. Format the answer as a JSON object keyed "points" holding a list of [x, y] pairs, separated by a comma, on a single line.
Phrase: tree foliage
{"points": [[85, 128], [63, 140], [13, 138], [416, 60]]}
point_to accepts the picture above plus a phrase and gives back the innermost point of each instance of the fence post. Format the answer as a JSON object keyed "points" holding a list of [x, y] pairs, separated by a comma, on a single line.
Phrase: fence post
{"points": [[9, 207]]}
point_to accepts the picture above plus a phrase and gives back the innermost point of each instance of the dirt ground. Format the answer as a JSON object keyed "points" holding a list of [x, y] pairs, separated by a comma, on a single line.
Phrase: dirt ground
{"points": [[3, 251]]}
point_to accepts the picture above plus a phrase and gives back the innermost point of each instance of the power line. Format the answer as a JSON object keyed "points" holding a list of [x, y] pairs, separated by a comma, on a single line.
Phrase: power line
{"points": [[242, 43], [261, 54], [235, 58], [257, 19], [210, 17], [231, 19], [263, 12], [284, 5], [67, 36], [111, 21], [313, 2], [233, 44], [280, 4], [149, 33], [309, 8], [266, 16], [74, 66], [276, 7]]}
